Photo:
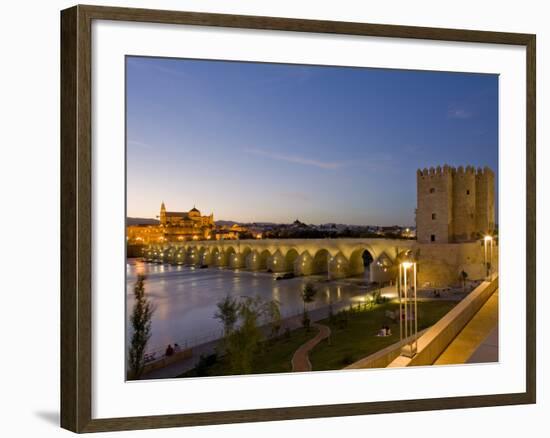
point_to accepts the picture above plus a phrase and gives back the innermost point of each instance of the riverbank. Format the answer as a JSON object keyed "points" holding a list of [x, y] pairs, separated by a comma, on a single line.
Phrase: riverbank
{"points": [[185, 298]]}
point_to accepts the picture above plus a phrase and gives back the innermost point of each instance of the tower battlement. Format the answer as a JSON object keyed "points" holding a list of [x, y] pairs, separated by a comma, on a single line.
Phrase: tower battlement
{"points": [[446, 169], [485, 171], [454, 204], [434, 171], [463, 171]]}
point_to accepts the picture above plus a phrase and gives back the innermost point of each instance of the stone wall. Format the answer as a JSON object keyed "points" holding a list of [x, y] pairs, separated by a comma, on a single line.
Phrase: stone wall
{"points": [[441, 264]]}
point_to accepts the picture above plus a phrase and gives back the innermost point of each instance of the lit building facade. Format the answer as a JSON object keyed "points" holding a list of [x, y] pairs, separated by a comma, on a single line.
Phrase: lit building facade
{"points": [[173, 226]]}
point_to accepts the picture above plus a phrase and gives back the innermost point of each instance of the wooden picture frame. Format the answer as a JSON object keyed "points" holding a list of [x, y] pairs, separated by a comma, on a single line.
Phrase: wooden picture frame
{"points": [[76, 217]]}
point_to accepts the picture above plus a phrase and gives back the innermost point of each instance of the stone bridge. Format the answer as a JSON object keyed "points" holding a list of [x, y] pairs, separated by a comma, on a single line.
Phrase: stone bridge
{"points": [[337, 258]]}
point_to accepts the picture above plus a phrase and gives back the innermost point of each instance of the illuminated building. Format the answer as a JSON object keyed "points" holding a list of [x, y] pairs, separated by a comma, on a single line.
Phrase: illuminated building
{"points": [[173, 226]]}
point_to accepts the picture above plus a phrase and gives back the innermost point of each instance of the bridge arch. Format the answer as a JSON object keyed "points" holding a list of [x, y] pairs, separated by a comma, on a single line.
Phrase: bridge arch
{"points": [[229, 250], [192, 255], [320, 261], [384, 269], [158, 255], [276, 262], [290, 258], [360, 261], [257, 260], [224, 256], [221, 257], [205, 256], [338, 266], [181, 255], [303, 265], [244, 253], [237, 260], [170, 255]]}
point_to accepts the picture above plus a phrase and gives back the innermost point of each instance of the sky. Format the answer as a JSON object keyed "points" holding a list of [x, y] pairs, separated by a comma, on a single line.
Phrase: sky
{"points": [[260, 142]]}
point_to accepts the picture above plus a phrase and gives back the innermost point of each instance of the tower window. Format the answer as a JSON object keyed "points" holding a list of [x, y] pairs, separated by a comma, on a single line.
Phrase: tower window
{"points": [[432, 238], [467, 192], [432, 190], [434, 216]]}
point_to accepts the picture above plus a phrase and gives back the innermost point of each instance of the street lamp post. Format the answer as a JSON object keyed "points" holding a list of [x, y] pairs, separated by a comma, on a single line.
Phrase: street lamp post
{"points": [[408, 310], [488, 240]]}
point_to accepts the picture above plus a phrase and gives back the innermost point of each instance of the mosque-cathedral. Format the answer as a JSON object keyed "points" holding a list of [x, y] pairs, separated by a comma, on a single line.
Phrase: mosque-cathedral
{"points": [[177, 226]]}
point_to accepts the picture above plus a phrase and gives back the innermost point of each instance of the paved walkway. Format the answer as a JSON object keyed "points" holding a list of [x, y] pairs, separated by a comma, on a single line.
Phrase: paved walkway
{"points": [[478, 340], [300, 360], [488, 350], [427, 293]]}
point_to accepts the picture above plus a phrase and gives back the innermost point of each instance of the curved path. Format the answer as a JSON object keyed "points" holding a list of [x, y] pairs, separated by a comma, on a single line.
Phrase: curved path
{"points": [[300, 360]]}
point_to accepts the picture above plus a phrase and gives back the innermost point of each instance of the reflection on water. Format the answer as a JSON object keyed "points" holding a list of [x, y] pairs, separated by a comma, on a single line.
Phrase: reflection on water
{"points": [[185, 297]]}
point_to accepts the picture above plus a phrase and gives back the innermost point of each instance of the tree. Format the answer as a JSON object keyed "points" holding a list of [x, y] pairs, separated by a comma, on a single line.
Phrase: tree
{"points": [[376, 297], [228, 309], [308, 296], [244, 342], [273, 312], [141, 324], [243, 335]]}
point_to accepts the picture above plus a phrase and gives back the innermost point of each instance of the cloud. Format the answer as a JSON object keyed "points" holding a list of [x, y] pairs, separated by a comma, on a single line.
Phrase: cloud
{"points": [[459, 113], [296, 159]]}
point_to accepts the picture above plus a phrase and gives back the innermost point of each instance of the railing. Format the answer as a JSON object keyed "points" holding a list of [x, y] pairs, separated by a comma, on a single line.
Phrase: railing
{"points": [[185, 344]]}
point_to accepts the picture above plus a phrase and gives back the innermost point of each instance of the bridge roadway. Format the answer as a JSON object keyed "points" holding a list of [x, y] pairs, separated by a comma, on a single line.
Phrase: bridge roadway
{"points": [[339, 257]]}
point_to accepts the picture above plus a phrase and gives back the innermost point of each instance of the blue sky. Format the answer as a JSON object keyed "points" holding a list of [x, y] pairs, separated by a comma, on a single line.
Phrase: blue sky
{"points": [[276, 142]]}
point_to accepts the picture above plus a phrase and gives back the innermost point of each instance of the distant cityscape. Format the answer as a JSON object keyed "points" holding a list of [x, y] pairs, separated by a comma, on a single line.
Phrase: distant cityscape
{"points": [[191, 225]]}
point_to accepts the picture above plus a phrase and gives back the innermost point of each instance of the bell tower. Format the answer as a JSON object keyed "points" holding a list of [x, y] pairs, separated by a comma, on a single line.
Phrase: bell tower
{"points": [[162, 214]]}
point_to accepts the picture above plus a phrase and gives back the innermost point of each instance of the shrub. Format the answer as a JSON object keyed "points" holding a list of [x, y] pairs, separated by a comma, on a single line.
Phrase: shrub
{"points": [[204, 363]]}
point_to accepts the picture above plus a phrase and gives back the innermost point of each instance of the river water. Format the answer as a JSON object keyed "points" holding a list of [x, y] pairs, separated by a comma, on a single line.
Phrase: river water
{"points": [[185, 298]]}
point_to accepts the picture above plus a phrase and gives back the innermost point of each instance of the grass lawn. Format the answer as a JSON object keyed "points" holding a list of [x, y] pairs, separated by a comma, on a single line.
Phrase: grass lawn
{"points": [[357, 338], [348, 343], [275, 356]]}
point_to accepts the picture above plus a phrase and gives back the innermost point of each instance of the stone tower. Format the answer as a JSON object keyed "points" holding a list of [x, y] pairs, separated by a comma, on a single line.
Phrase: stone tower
{"points": [[454, 205], [162, 214], [485, 200], [434, 204], [464, 204]]}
